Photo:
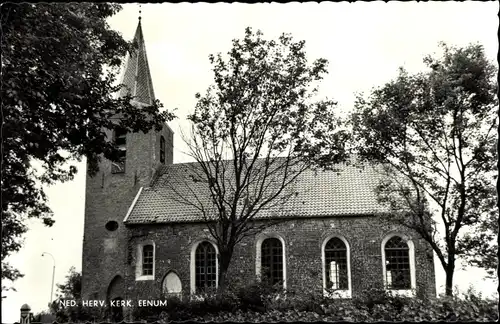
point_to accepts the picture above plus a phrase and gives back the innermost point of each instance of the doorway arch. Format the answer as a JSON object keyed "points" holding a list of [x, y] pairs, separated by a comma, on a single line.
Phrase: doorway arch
{"points": [[171, 284], [114, 297]]}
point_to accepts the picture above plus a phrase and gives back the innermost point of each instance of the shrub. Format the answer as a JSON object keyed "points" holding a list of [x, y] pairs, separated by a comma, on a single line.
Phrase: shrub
{"points": [[292, 301], [260, 303], [252, 297], [188, 307], [77, 313], [80, 313], [43, 317]]}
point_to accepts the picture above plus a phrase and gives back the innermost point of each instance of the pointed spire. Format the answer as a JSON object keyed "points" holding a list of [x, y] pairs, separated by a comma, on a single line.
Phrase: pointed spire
{"points": [[137, 77]]}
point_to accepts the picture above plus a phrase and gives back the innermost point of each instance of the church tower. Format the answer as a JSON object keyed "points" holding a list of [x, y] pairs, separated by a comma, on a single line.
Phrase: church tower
{"points": [[111, 192]]}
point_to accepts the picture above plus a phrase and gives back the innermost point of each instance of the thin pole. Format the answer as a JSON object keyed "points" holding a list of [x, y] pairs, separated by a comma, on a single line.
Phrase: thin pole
{"points": [[52, 287], [53, 275]]}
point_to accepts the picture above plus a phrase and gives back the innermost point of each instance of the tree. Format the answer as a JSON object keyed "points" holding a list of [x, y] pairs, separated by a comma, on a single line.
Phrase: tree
{"points": [[436, 130], [59, 63], [480, 244], [71, 290], [257, 128]]}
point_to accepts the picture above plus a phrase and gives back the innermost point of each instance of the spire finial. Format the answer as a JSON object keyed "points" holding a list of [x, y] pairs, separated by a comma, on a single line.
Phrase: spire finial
{"points": [[140, 13]]}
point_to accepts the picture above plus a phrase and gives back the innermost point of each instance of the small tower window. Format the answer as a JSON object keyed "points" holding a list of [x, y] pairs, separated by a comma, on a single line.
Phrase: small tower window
{"points": [[162, 149], [120, 140]]}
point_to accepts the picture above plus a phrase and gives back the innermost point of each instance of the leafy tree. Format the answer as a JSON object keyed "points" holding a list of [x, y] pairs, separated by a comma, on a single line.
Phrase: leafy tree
{"points": [[480, 244], [59, 62], [71, 289], [436, 129], [257, 128]]}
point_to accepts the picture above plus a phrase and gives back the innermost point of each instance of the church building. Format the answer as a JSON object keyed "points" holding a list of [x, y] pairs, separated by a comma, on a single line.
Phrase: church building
{"points": [[142, 243]]}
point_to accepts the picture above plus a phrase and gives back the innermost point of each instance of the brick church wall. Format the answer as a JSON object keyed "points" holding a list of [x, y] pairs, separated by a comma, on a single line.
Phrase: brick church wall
{"points": [[107, 198], [303, 241]]}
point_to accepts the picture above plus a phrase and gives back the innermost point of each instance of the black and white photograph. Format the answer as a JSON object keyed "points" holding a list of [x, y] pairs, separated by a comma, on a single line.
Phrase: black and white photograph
{"points": [[238, 162]]}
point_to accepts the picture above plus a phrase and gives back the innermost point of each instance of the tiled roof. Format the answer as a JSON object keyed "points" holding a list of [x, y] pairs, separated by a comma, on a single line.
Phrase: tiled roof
{"points": [[346, 191], [137, 76]]}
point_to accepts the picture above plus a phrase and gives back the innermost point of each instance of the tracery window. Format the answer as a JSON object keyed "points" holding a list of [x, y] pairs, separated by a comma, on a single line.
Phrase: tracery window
{"points": [[397, 264], [205, 267], [272, 261], [336, 269]]}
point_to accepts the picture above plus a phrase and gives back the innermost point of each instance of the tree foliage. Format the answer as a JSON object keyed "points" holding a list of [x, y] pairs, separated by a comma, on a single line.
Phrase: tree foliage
{"points": [[59, 62], [71, 290], [72, 287], [479, 245], [257, 128], [436, 129]]}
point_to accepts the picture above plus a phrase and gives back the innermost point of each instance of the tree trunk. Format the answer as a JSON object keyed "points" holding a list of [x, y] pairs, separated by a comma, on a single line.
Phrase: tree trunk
{"points": [[224, 262], [450, 271]]}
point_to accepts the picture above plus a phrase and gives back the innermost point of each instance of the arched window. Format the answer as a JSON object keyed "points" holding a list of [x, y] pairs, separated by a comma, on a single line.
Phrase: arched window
{"points": [[272, 261], [145, 265], [398, 257], [397, 264], [336, 265], [147, 260], [120, 141], [205, 267], [162, 149]]}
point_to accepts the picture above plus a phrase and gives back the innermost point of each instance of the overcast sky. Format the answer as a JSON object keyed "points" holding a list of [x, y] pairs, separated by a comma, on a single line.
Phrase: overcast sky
{"points": [[365, 44]]}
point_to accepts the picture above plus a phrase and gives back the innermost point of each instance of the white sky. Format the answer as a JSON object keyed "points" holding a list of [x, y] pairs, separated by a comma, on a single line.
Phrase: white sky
{"points": [[365, 44]]}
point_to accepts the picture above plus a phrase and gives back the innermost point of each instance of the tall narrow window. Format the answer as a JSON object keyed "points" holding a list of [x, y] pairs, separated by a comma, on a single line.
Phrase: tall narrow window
{"points": [[206, 267], [162, 149], [272, 261], [397, 264], [147, 260], [120, 140], [336, 265]]}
